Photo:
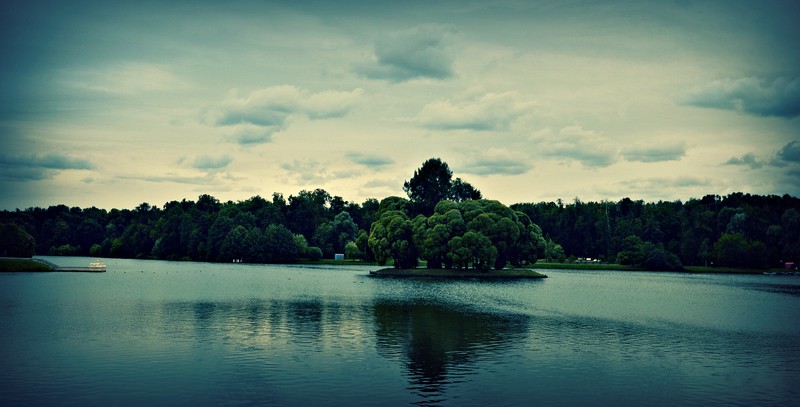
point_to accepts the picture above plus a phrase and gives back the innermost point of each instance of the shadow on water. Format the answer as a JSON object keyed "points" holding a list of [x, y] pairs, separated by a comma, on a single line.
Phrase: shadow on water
{"points": [[438, 345]]}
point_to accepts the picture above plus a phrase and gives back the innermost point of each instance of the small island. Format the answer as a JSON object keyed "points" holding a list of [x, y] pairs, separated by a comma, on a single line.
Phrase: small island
{"points": [[16, 265], [30, 265]]}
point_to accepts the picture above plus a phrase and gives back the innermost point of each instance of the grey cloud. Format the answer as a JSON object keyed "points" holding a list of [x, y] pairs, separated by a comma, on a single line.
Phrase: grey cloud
{"points": [[211, 178], [665, 183], [264, 112], [39, 167], [749, 160], [789, 153], [419, 52], [382, 183], [492, 111], [495, 161], [211, 163], [574, 143], [755, 96], [313, 172], [490, 167], [246, 135], [649, 154], [202, 180], [368, 160]]}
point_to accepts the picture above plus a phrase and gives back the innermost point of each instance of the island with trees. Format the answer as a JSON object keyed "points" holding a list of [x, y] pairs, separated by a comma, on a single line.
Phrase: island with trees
{"points": [[443, 225]]}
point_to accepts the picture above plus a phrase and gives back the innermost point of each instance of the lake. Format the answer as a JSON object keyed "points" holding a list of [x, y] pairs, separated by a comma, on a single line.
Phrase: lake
{"points": [[161, 333]]}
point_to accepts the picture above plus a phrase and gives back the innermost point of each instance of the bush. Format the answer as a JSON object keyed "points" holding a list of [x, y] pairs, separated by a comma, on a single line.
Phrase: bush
{"points": [[659, 259], [313, 253], [351, 251], [650, 256], [63, 250]]}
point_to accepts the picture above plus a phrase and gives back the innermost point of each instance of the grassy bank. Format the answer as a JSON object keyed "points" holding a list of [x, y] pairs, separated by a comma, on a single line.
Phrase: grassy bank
{"points": [[22, 265], [443, 273], [583, 266], [331, 262]]}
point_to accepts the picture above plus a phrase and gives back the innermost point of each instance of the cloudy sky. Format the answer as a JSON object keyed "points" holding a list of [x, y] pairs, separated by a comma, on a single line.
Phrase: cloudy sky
{"points": [[111, 104]]}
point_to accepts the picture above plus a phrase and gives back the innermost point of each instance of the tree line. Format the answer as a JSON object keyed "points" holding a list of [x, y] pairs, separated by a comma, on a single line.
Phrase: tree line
{"points": [[737, 230], [444, 221], [311, 224]]}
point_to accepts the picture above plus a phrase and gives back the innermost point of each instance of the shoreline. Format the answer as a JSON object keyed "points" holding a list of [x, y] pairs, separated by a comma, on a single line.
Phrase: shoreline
{"points": [[505, 274], [686, 269]]}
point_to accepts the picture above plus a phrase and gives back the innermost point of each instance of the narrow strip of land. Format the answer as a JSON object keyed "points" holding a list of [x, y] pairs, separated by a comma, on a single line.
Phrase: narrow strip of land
{"points": [[686, 269], [458, 274]]}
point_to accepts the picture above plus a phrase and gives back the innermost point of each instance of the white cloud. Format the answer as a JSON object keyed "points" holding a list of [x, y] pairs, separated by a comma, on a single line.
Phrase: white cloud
{"points": [[124, 79], [329, 104], [491, 111], [419, 52]]}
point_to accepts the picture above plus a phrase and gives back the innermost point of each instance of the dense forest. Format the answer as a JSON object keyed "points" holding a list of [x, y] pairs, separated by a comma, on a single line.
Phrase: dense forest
{"points": [[738, 230]]}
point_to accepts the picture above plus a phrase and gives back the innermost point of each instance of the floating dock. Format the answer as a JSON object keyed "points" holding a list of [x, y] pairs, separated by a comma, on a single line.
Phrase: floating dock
{"points": [[80, 269]]}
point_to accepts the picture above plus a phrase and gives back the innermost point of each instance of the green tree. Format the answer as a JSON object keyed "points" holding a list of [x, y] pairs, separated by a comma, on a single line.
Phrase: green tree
{"points": [[511, 235], [648, 255], [734, 250], [344, 230], [362, 241], [631, 253], [351, 251], [391, 236], [463, 191], [279, 245], [307, 211], [554, 251], [255, 245], [790, 241], [16, 242], [301, 244], [63, 250], [217, 233], [234, 246]]}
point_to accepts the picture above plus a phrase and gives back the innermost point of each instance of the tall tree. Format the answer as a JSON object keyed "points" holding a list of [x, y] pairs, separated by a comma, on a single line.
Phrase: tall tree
{"points": [[463, 191], [430, 184]]}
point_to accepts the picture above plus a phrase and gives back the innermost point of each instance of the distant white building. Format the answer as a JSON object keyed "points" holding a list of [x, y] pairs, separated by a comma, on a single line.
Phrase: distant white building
{"points": [[338, 256]]}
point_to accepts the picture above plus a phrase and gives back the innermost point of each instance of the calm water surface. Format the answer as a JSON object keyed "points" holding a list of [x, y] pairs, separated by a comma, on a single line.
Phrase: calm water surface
{"points": [[164, 333]]}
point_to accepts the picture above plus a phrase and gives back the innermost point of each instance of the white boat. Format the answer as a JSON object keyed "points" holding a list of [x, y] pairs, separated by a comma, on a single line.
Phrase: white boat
{"points": [[97, 265]]}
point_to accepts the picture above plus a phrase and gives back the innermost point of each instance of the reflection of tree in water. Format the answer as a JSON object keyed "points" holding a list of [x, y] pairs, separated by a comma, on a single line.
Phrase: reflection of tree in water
{"points": [[301, 319], [440, 344]]}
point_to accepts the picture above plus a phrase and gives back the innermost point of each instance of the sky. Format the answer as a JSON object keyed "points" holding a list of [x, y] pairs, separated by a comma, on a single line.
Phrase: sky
{"points": [[116, 103]]}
